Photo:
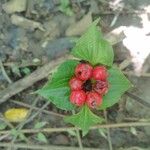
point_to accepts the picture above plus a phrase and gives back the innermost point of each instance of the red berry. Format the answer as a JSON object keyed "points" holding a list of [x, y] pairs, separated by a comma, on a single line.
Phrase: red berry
{"points": [[78, 97], [100, 73], [101, 87], [83, 71], [75, 84], [93, 100]]}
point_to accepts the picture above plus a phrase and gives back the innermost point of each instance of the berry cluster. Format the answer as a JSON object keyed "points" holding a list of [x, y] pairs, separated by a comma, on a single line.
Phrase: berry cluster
{"points": [[88, 85]]}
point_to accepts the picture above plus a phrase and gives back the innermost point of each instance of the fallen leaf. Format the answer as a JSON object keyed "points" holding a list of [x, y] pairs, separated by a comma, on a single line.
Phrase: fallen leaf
{"points": [[16, 114], [26, 23]]}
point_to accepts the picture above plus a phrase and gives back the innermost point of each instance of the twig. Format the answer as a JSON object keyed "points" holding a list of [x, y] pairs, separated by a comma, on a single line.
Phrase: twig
{"points": [[4, 136], [131, 73], [115, 35], [23, 64], [43, 147], [108, 133], [124, 64], [66, 129], [4, 72], [37, 108], [29, 119], [30, 79], [6, 122], [124, 12], [33, 116], [138, 99], [39, 111], [114, 19], [20, 126], [136, 119], [79, 139], [29, 7]]}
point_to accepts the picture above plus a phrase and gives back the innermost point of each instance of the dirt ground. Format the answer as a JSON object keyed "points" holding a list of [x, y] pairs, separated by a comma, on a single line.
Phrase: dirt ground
{"points": [[35, 32]]}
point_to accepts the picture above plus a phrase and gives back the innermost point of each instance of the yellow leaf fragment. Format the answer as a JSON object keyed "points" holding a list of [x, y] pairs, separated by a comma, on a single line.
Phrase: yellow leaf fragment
{"points": [[16, 114]]}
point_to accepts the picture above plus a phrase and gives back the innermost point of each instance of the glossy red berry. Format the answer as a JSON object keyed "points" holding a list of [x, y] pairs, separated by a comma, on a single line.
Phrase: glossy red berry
{"points": [[75, 84], [93, 100], [83, 71], [101, 87], [100, 73], [78, 97]]}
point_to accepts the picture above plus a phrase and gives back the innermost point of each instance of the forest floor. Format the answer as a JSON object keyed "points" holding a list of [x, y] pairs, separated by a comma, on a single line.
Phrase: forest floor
{"points": [[34, 33]]}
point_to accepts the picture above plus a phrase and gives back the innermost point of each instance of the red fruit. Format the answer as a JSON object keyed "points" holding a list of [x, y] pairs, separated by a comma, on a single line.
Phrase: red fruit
{"points": [[83, 71], [93, 100], [101, 87], [100, 73], [78, 97], [75, 84]]}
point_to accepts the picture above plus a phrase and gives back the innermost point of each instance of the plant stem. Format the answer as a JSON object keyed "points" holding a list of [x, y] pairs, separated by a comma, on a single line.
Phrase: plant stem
{"points": [[138, 99], [4, 72], [78, 135], [108, 132], [49, 130], [37, 108]]}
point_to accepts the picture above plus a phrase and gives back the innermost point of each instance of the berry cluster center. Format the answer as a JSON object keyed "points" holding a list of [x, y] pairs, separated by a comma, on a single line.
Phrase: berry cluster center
{"points": [[88, 85]]}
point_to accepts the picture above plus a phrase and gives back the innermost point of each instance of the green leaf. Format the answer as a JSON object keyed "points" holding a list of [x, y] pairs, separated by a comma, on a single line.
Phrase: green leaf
{"points": [[41, 137], [65, 8], [93, 47], [72, 133], [84, 119], [39, 125], [26, 70], [22, 137], [57, 89], [133, 131], [118, 85], [14, 132], [64, 3]]}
